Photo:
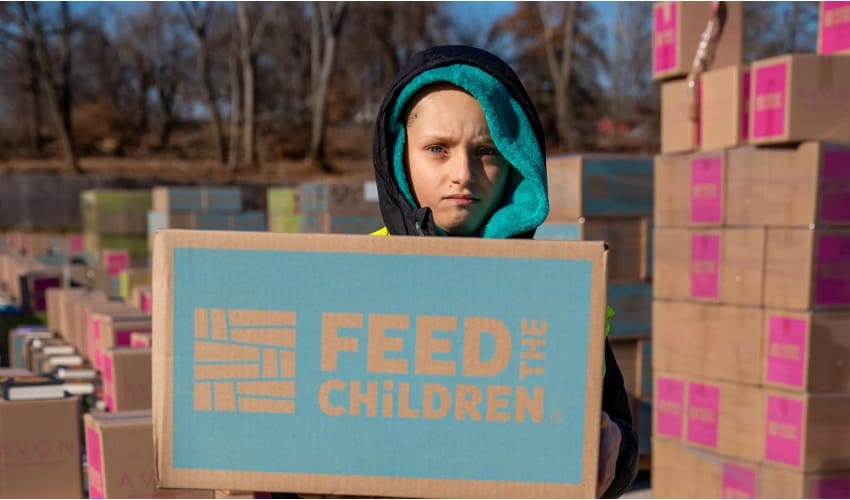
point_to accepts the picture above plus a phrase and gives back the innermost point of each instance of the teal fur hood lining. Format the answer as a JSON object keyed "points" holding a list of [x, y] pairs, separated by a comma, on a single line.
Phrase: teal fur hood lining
{"points": [[525, 203]]}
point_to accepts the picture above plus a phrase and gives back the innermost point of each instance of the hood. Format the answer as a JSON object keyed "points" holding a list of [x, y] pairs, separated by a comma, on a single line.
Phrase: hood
{"points": [[514, 126]]}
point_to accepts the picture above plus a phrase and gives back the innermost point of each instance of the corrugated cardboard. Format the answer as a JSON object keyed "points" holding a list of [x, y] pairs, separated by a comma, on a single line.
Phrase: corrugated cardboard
{"points": [[800, 97], [196, 199], [718, 416], [806, 432], [834, 28], [676, 29], [141, 299], [120, 457], [115, 330], [75, 330], [136, 244], [806, 351], [115, 212], [283, 223], [690, 190], [282, 201], [724, 108], [807, 269], [338, 198], [41, 449], [681, 471], [725, 265], [140, 339], [130, 278], [327, 223], [96, 318], [627, 238], [680, 129], [127, 378], [775, 482], [594, 185], [314, 298], [717, 342], [632, 304]]}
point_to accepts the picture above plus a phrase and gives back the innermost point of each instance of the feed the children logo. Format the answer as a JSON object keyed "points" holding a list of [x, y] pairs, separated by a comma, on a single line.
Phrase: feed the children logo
{"points": [[373, 366]]}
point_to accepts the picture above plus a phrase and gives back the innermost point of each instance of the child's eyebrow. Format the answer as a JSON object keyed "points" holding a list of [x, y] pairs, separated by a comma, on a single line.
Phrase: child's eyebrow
{"points": [[437, 137]]}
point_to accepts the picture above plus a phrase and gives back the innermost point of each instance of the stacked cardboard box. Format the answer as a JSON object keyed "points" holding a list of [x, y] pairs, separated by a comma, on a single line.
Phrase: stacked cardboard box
{"points": [[609, 198], [338, 207], [209, 208], [116, 220], [27, 280], [752, 288]]}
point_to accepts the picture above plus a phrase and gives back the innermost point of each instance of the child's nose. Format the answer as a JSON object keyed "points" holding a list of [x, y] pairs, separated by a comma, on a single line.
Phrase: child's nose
{"points": [[461, 168]]}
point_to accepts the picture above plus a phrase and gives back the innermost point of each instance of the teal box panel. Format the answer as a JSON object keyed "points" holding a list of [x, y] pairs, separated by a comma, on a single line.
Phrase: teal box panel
{"points": [[617, 186], [215, 290], [632, 304], [559, 231]]}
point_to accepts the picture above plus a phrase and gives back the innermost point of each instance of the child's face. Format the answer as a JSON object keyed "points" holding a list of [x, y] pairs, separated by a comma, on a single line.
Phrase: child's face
{"points": [[453, 165]]}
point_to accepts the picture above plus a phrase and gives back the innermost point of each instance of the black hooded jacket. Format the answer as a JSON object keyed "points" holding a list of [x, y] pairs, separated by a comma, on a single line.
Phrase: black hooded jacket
{"points": [[401, 218]]}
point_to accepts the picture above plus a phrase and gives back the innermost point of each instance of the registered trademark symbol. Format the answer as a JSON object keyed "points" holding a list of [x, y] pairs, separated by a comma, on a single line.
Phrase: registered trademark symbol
{"points": [[556, 417]]}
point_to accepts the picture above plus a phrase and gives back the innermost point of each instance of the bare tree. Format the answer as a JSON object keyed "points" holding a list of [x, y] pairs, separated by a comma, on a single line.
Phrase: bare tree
{"points": [[326, 26], [251, 27], [559, 56], [198, 18], [235, 106]]}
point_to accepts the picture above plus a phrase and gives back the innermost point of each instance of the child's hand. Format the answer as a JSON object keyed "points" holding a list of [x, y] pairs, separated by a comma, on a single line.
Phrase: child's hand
{"points": [[609, 448]]}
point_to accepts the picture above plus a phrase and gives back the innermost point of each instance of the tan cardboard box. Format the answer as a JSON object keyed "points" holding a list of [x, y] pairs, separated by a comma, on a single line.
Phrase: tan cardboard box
{"points": [[806, 432], [120, 457], [681, 471], [807, 269], [41, 449], [690, 190], [717, 416], [680, 133], [775, 482], [834, 28], [127, 379], [140, 339], [677, 27], [788, 186], [716, 342], [115, 330], [97, 316], [596, 185], [74, 320], [724, 107], [718, 265], [800, 97], [409, 409], [52, 297], [806, 351], [141, 299]]}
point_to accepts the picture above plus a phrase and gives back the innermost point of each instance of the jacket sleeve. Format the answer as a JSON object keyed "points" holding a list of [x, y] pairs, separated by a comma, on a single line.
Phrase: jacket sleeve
{"points": [[615, 402]]}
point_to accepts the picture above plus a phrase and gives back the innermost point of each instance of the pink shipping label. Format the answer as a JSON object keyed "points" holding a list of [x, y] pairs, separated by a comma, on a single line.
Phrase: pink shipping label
{"points": [[738, 481], [122, 337], [116, 261], [703, 406], [745, 105], [137, 342], [835, 186], [664, 36], [95, 464], [707, 189], [705, 266], [784, 431], [769, 104], [832, 487], [833, 270], [147, 303], [671, 400], [75, 243], [698, 125], [786, 351], [834, 27]]}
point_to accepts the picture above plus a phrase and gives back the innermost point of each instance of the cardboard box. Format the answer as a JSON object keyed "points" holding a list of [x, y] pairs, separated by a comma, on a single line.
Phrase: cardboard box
{"points": [[338, 224], [140, 339], [95, 318], [18, 337], [834, 28], [196, 199], [127, 378], [130, 278], [680, 124], [114, 212], [800, 97], [594, 185], [627, 238], [283, 223], [41, 449], [135, 244], [282, 201], [243, 340], [807, 269], [724, 418], [806, 351], [142, 298], [806, 432], [718, 265], [632, 304], [775, 482], [724, 107], [52, 299], [120, 457], [681, 471], [717, 342], [113, 330], [690, 190], [677, 28]]}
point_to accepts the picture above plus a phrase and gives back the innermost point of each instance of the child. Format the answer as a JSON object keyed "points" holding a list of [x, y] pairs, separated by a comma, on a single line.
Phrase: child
{"points": [[459, 151]]}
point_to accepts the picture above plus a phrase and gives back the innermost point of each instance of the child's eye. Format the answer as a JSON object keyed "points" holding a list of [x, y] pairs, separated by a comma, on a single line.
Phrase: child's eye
{"points": [[487, 151], [436, 149]]}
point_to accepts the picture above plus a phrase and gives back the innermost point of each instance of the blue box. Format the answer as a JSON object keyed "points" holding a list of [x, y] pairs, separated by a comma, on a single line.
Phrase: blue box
{"points": [[401, 367], [632, 304]]}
